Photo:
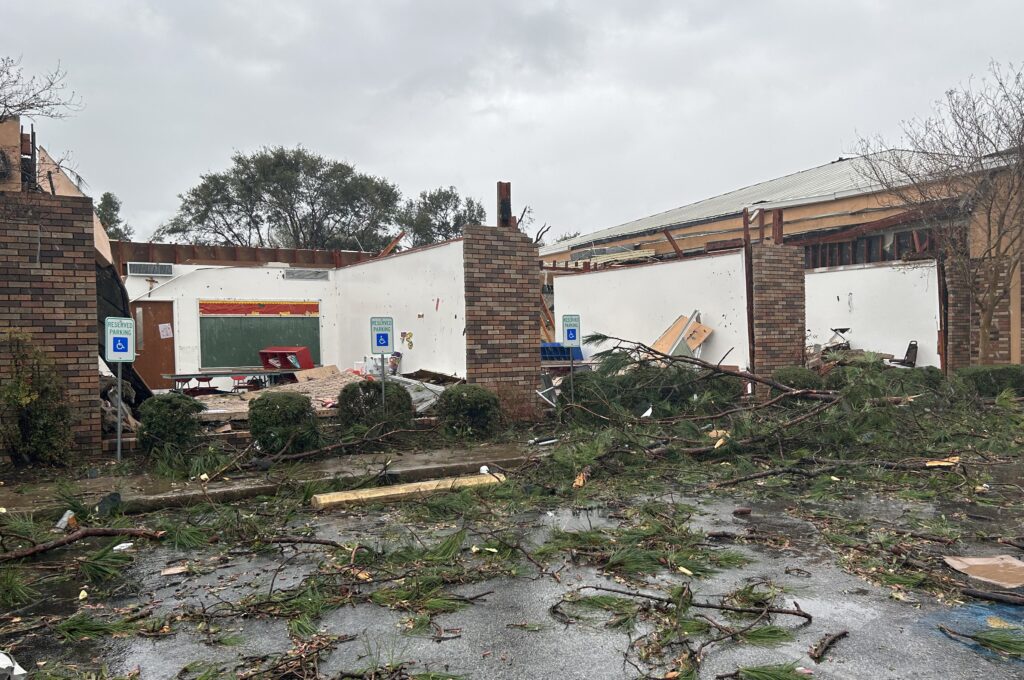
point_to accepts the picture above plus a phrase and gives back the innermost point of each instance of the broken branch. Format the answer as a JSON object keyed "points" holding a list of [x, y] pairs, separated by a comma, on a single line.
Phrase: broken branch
{"points": [[88, 532]]}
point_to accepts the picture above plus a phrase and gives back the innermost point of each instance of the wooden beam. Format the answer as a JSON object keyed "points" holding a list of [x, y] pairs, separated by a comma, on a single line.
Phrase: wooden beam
{"points": [[777, 235], [504, 204], [672, 242], [397, 492], [392, 245]]}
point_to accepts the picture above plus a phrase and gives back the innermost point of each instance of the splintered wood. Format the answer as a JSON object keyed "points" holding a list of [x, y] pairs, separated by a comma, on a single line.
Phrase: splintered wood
{"points": [[398, 492]]}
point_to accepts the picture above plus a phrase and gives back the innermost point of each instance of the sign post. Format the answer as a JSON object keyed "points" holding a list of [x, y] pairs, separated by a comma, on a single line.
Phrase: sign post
{"points": [[119, 348], [382, 342], [571, 339]]}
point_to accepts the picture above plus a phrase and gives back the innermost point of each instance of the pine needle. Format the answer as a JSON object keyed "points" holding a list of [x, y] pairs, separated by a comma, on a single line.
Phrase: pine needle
{"points": [[773, 672], [1006, 641], [767, 636]]}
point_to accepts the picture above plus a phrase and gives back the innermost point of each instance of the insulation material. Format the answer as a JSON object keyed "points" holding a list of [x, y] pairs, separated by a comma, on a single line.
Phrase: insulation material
{"points": [[258, 308]]}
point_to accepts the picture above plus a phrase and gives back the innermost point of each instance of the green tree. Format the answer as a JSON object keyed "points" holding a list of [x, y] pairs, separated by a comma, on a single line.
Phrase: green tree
{"points": [[109, 212], [439, 215], [289, 198]]}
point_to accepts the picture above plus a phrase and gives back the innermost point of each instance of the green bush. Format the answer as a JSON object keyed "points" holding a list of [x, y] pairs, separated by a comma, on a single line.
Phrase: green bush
{"points": [[798, 377], [470, 410], [169, 422], [989, 381], [359, 404], [284, 422], [35, 420]]}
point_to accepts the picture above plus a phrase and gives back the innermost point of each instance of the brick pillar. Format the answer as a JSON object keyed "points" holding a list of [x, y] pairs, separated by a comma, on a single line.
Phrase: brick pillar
{"points": [[502, 340], [963, 321], [48, 291], [777, 306]]}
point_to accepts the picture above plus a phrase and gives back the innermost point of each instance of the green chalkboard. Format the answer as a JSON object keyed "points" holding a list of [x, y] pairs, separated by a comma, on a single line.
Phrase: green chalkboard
{"points": [[235, 341]]}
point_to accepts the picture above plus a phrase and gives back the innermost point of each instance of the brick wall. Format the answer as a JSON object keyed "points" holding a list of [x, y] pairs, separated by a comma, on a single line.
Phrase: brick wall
{"points": [[48, 291], [963, 324], [778, 306], [502, 303]]}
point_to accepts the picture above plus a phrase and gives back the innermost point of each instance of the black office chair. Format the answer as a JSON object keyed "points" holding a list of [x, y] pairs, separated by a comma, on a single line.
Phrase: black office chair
{"points": [[910, 359]]}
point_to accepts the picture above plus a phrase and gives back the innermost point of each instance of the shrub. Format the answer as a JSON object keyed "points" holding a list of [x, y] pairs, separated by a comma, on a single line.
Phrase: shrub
{"points": [[359, 404], [470, 410], [169, 422], [798, 377], [989, 381], [35, 421], [284, 422]]}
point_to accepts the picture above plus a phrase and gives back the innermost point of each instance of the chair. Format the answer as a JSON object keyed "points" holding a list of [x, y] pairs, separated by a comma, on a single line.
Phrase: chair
{"points": [[239, 383], [909, 360], [181, 384]]}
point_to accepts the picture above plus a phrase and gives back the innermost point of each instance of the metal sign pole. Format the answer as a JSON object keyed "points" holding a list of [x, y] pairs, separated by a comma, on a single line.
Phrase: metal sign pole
{"points": [[383, 392], [572, 381], [120, 417]]}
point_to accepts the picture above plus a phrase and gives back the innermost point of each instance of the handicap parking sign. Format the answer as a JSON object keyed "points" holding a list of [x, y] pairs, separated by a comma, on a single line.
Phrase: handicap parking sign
{"points": [[571, 330], [382, 332], [120, 339], [570, 333]]}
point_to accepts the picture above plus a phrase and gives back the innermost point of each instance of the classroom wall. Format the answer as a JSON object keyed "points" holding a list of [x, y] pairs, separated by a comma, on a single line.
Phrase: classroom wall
{"points": [[639, 303], [423, 290], [886, 305], [192, 283]]}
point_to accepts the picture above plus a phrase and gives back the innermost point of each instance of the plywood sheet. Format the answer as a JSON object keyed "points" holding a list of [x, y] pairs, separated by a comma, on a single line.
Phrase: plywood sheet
{"points": [[670, 339], [402, 491]]}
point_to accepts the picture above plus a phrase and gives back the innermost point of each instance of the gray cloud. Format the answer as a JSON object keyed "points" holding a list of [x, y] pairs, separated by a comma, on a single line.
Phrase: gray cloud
{"points": [[597, 111]]}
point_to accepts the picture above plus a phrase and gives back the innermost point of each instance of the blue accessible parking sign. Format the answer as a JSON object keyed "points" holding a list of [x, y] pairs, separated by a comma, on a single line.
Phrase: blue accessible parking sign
{"points": [[120, 344], [382, 334]]}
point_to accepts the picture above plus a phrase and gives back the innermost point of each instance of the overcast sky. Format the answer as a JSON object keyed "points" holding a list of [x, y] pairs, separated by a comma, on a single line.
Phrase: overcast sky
{"points": [[597, 112]]}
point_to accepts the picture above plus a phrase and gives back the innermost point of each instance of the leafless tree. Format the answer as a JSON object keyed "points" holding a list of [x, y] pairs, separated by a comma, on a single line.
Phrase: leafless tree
{"points": [[962, 170], [44, 96]]}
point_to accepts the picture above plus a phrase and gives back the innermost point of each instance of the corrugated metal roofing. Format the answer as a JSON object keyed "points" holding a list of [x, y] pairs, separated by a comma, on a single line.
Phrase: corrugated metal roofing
{"points": [[842, 177]]}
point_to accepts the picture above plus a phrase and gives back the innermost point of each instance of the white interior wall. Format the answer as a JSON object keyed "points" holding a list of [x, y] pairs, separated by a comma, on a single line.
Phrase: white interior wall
{"points": [[424, 291], [639, 303], [192, 283], [885, 306]]}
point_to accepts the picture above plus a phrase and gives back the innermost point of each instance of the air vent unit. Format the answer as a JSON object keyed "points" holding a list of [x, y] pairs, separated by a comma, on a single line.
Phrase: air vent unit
{"points": [[306, 274], [150, 269]]}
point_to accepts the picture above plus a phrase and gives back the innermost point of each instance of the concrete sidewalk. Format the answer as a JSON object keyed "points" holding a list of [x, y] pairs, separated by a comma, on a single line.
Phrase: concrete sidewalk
{"points": [[144, 493]]}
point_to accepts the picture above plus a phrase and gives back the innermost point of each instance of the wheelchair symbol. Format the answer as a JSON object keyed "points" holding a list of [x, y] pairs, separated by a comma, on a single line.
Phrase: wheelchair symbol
{"points": [[382, 339], [570, 333], [120, 344]]}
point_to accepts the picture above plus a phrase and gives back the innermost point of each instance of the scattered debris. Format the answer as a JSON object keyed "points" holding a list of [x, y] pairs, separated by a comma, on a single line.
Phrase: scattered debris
{"points": [[9, 668], [1001, 570]]}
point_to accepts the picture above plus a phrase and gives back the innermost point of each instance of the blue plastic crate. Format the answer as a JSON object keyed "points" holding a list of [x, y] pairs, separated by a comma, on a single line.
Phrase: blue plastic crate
{"points": [[554, 351]]}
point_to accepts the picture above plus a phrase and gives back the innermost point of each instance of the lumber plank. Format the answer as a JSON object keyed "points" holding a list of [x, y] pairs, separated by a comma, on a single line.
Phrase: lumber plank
{"points": [[398, 492]]}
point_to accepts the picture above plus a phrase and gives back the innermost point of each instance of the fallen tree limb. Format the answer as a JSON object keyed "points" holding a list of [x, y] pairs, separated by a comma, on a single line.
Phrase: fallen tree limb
{"points": [[1005, 598], [796, 611], [288, 540], [88, 532], [817, 652]]}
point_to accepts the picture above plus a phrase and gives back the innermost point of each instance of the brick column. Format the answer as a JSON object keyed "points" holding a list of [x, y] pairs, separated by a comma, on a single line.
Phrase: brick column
{"points": [[777, 306], [502, 303], [48, 291], [963, 321]]}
